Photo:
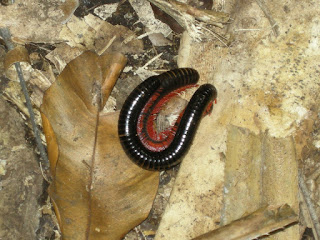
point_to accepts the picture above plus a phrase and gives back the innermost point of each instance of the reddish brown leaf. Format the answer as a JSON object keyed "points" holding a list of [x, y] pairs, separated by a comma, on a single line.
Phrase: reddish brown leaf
{"points": [[97, 192]]}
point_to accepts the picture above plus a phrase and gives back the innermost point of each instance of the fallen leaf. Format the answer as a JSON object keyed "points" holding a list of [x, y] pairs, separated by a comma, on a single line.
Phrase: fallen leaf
{"points": [[97, 192]]}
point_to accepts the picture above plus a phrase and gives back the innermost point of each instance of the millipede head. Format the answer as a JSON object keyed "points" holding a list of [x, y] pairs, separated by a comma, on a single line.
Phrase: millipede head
{"points": [[209, 109]]}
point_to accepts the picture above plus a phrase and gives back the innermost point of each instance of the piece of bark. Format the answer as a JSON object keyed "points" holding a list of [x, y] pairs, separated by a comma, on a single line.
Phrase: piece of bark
{"points": [[97, 191], [242, 192], [268, 176], [259, 223]]}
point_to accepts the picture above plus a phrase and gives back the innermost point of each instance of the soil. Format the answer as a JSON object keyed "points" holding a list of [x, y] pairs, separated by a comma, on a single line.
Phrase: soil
{"points": [[23, 189]]}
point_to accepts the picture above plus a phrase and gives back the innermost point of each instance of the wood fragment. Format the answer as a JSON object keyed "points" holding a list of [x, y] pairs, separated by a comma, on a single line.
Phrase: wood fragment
{"points": [[242, 190], [259, 223], [187, 16]]}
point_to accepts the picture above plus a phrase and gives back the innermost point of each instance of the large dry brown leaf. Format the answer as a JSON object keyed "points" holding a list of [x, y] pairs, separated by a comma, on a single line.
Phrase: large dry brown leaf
{"points": [[97, 192]]}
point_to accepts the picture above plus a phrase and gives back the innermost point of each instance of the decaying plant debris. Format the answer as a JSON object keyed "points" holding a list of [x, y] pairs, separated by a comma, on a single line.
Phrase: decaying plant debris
{"points": [[261, 140]]}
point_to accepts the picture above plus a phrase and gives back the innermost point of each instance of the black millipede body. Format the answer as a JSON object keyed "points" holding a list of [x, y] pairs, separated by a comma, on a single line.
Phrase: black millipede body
{"points": [[185, 131]]}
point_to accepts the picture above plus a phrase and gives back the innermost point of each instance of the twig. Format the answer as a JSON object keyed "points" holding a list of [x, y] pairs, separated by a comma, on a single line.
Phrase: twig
{"points": [[315, 174], [217, 36], [107, 46], [311, 210], [247, 29], [145, 35], [43, 48], [43, 175], [273, 23], [152, 60], [5, 34]]}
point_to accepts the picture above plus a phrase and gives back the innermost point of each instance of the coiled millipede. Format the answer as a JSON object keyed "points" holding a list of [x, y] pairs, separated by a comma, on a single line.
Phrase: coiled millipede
{"points": [[137, 135]]}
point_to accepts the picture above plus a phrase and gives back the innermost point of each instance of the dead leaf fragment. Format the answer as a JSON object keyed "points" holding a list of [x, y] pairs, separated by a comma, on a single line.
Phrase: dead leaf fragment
{"points": [[62, 55], [18, 54], [97, 192], [92, 33]]}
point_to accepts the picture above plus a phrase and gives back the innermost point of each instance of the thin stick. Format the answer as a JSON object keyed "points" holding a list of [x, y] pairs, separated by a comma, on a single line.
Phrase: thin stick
{"points": [[107, 46], [312, 212], [5, 34], [216, 35], [152, 60], [43, 175], [273, 23]]}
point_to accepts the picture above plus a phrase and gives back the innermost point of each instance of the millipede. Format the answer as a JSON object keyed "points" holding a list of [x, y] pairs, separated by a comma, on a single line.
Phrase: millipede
{"points": [[142, 143]]}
